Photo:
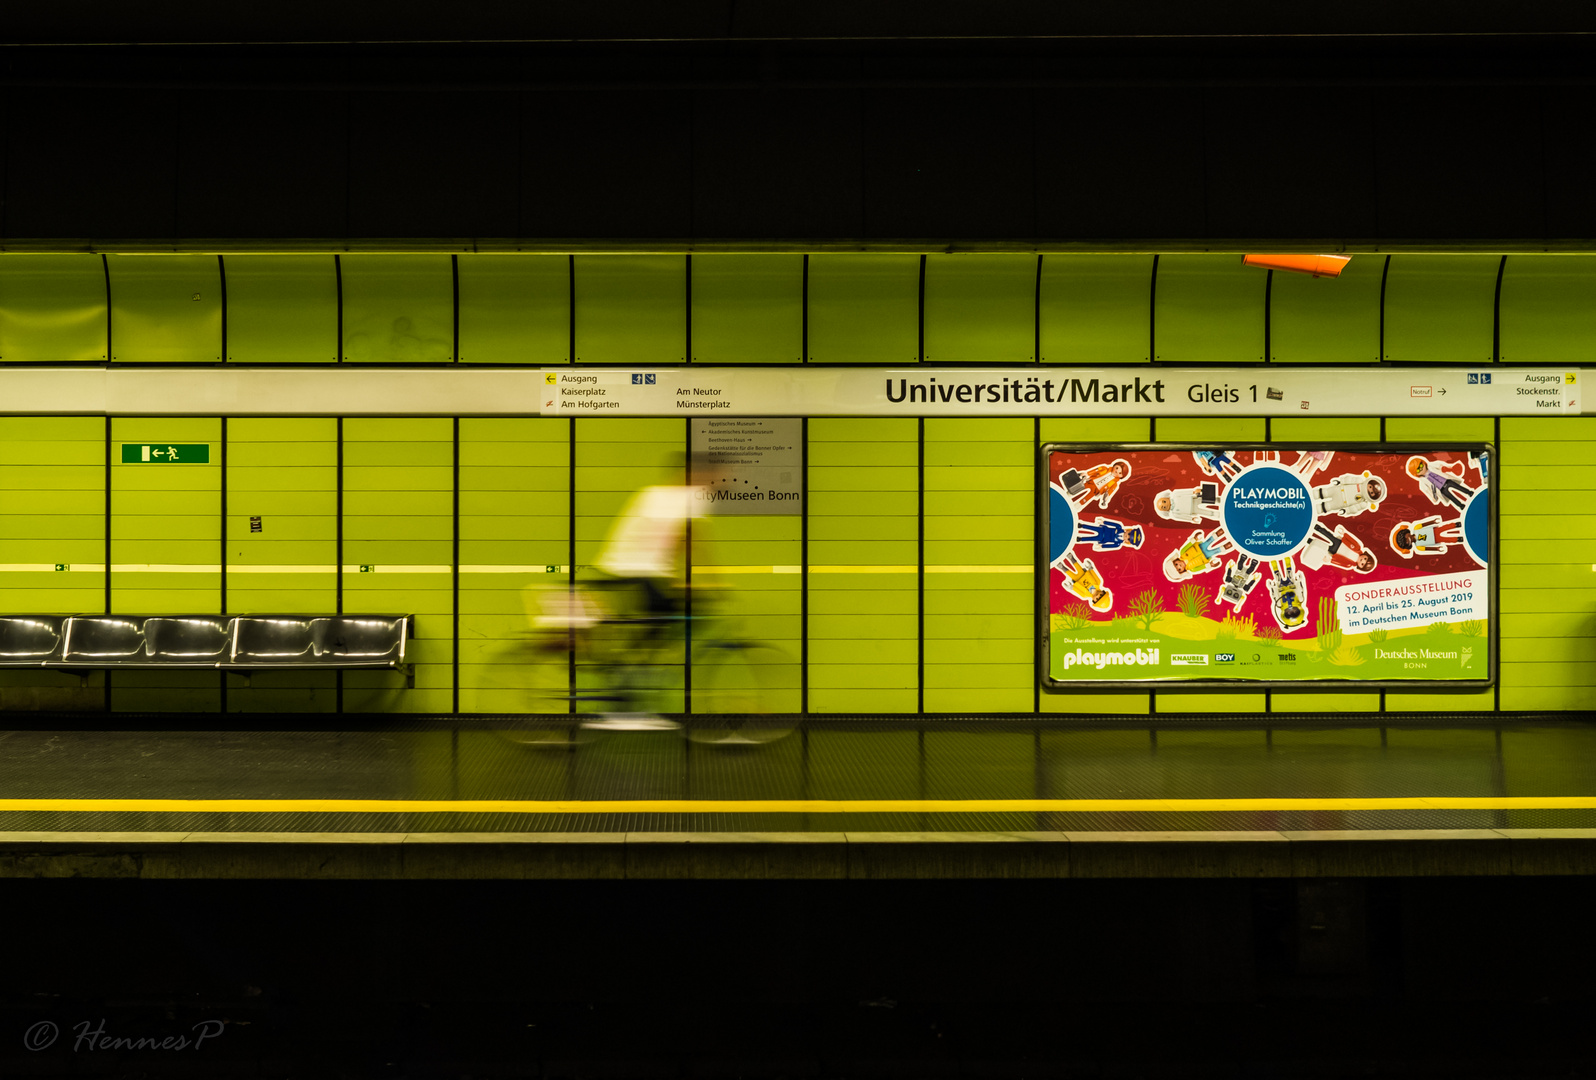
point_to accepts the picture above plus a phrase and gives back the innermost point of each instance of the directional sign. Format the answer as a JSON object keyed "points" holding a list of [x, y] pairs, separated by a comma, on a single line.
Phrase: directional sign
{"points": [[166, 453]]}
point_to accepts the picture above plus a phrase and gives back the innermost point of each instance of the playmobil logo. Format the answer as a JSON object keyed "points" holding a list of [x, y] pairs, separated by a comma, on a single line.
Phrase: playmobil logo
{"points": [[1268, 493], [1137, 658]]}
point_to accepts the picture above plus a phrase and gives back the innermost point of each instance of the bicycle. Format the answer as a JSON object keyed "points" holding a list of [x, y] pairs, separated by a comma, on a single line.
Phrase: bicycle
{"points": [[634, 664]]}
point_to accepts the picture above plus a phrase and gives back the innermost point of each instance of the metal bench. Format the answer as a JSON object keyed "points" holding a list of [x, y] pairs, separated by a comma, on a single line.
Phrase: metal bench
{"points": [[241, 643]]}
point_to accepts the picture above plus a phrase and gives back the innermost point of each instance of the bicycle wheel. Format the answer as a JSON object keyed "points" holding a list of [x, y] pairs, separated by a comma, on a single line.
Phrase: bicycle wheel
{"points": [[526, 680], [737, 694]]}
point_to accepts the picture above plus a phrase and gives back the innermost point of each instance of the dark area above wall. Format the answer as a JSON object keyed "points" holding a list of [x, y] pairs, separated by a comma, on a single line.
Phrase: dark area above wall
{"points": [[1299, 133], [88, 21]]}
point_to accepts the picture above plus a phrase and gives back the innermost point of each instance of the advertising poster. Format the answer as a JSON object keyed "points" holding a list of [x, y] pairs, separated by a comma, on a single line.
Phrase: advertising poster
{"points": [[1346, 567]]}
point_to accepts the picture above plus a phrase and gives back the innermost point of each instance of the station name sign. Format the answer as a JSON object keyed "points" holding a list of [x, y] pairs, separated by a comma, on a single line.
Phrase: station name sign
{"points": [[1129, 390], [1152, 391]]}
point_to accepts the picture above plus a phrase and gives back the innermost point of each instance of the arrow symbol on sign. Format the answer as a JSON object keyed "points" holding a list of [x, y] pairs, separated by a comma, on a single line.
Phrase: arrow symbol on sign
{"points": [[1443, 391]]}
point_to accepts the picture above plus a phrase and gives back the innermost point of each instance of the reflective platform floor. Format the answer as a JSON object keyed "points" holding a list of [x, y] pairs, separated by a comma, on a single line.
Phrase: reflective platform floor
{"points": [[826, 798]]}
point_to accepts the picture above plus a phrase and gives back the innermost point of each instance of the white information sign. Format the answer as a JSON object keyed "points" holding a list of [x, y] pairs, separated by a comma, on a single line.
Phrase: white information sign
{"points": [[749, 465], [815, 390], [1043, 391]]}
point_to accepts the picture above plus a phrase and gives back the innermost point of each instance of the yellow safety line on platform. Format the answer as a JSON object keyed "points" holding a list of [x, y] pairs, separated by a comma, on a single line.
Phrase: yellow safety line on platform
{"points": [[797, 806]]}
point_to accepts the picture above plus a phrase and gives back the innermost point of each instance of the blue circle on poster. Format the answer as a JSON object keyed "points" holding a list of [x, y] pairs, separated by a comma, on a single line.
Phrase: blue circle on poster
{"points": [[1477, 527], [1267, 512], [1060, 524]]}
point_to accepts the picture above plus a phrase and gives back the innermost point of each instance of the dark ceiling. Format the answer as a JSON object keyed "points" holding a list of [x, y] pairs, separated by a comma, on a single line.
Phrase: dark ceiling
{"points": [[1357, 124]]}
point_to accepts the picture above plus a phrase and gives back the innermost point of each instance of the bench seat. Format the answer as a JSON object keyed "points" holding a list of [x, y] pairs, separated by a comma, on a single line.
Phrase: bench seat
{"points": [[225, 642]]}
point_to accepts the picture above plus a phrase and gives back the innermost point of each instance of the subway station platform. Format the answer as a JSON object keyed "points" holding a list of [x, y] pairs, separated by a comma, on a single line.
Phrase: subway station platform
{"points": [[169, 797]]}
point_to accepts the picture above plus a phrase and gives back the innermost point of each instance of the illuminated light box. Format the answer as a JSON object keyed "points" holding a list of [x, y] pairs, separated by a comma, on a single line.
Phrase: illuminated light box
{"points": [[1268, 566]]}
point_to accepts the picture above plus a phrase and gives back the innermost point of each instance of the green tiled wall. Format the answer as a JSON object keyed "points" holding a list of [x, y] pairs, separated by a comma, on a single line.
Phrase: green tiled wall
{"points": [[764, 604], [515, 542], [864, 561], [980, 308], [398, 481], [980, 544], [166, 309], [864, 309], [166, 551], [52, 491], [1327, 320], [1440, 308], [758, 308], [515, 536], [1548, 634], [748, 309], [515, 309], [631, 309], [284, 472], [1548, 309], [868, 591], [1208, 309], [281, 309], [398, 309], [52, 488], [52, 308], [1095, 309]]}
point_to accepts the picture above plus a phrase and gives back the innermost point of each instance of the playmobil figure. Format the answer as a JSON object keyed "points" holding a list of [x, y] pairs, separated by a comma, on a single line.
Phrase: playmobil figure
{"points": [[1082, 579], [1106, 534], [1189, 504], [1100, 482], [1198, 555], [1311, 461], [1441, 481], [1217, 463], [1429, 536], [1337, 548], [1241, 575], [1349, 494], [1288, 593], [1481, 463]]}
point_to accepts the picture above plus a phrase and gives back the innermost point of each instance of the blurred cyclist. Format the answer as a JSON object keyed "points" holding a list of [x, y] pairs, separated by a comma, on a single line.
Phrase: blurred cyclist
{"points": [[644, 562]]}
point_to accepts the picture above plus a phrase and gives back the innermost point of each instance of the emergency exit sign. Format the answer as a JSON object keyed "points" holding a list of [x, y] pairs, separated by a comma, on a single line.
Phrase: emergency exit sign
{"points": [[166, 453]]}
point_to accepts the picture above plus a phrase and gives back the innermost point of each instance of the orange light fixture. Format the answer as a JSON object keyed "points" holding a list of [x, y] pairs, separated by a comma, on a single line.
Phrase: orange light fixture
{"points": [[1317, 265]]}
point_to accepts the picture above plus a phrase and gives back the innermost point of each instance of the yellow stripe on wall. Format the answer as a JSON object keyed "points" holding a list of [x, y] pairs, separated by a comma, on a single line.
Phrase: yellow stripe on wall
{"points": [[489, 568]]}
